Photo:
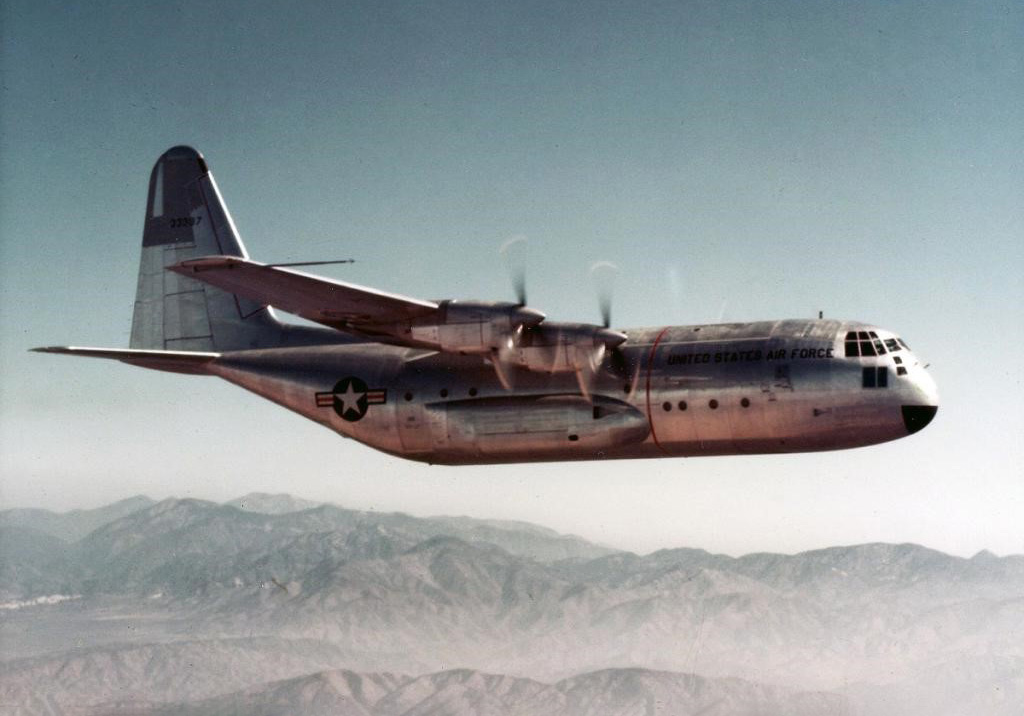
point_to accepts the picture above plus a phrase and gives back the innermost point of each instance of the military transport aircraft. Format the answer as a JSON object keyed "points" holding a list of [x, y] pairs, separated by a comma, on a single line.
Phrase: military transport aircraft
{"points": [[468, 382]]}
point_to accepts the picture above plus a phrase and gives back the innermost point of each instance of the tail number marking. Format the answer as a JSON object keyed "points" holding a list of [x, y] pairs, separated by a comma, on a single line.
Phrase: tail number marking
{"points": [[183, 221]]}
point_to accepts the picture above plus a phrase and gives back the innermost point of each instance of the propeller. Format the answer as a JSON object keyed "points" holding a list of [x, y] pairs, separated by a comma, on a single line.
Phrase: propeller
{"points": [[514, 253], [582, 348], [603, 273], [503, 358]]}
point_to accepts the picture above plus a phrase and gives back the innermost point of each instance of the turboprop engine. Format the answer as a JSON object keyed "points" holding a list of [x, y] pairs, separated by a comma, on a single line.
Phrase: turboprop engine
{"points": [[579, 348], [474, 327]]}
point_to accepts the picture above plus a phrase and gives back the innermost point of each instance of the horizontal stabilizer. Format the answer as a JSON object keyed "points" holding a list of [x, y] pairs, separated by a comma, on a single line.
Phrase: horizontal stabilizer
{"points": [[333, 303], [171, 361]]}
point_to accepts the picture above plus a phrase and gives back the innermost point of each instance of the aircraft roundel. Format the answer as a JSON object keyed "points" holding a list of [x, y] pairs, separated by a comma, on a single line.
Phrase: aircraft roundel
{"points": [[351, 398]]}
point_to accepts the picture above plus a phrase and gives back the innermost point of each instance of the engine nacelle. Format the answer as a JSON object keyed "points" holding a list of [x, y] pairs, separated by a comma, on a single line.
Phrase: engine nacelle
{"points": [[564, 347], [474, 327]]}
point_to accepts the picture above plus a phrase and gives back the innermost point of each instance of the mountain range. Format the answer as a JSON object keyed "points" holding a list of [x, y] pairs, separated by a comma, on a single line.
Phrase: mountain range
{"points": [[268, 600]]}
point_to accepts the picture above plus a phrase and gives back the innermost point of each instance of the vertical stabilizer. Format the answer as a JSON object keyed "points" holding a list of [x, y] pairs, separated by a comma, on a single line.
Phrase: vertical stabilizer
{"points": [[186, 218]]}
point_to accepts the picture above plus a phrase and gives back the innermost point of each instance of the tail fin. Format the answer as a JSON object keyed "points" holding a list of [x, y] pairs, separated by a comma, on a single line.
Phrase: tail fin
{"points": [[186, 218]]}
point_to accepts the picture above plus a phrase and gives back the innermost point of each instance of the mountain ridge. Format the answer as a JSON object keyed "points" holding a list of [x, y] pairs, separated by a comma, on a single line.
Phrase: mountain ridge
{"points": [[185, 584]]}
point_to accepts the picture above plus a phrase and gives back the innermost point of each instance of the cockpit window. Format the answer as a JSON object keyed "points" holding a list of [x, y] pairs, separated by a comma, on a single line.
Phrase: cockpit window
{"points": [[863, 343], [903, 343], [892, 345]]}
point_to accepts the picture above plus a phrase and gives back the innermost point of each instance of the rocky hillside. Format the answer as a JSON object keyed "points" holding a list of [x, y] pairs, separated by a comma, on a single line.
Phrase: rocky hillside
{"points": [[191, 603]]}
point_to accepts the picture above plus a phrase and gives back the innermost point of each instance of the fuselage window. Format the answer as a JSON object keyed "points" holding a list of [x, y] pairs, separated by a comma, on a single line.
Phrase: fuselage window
{"points": [[875, 377], [682, 405]]}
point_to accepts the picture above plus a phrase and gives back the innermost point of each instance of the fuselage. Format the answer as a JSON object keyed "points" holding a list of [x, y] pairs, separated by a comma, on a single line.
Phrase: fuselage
{"points": [[468, 382], [737, 388]]}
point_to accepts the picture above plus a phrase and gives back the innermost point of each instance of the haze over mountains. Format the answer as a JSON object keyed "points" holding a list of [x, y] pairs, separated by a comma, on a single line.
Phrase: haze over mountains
{"points": [[272, 604]]}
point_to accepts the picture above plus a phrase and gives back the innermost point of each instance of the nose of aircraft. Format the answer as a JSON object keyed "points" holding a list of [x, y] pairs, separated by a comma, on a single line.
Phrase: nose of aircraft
{"points": [[917, 416]]}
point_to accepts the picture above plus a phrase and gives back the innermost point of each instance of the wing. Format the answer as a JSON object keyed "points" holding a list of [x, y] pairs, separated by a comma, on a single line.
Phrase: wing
{"points": [[337, 304]]}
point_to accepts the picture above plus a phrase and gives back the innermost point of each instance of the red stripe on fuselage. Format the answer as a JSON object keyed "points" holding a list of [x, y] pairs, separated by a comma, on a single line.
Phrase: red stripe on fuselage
{"points": [[650, 364]]}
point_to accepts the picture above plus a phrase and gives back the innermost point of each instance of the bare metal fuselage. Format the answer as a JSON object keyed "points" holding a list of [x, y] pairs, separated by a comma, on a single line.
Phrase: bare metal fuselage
{"points": [[766, 387], [469, 382]]}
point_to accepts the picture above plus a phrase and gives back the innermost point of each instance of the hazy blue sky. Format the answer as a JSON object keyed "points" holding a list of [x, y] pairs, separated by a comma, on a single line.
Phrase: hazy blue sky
{"points": [[860, 158]]}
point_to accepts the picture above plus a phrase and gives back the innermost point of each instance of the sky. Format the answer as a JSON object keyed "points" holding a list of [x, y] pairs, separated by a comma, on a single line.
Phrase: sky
{"points": [[745, 160]]}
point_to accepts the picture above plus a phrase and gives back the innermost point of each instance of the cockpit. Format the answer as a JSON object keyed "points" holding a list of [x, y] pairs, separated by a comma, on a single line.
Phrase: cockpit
{"points": [[867, 343]]}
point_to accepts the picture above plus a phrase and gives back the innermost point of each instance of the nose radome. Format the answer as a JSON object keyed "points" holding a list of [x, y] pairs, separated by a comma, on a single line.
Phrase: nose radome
{"points": [[917, 417]]}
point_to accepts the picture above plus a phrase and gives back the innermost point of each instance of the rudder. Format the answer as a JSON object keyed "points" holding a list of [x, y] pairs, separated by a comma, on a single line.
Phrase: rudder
{"points": [[186, 218]]}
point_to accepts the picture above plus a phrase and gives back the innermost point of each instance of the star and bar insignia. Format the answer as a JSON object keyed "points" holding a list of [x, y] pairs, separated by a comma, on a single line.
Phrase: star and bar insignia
{"points": [[351, 398]]}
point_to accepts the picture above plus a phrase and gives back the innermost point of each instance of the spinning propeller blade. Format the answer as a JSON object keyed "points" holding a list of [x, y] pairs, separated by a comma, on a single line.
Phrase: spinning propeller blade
{"points": [[603, 273], [514, 253]]}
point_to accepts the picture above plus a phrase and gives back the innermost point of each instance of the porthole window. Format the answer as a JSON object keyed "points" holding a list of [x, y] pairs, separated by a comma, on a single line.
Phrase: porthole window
{"points": [[472, 392], [625, 389], [745, 402], [682, 405], [444, 392], [408, 396], [666, 406], [713, 404]]}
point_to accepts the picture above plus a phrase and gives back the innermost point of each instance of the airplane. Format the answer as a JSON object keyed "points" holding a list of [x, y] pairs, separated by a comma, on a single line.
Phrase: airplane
{"points": [[457, 382]]}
